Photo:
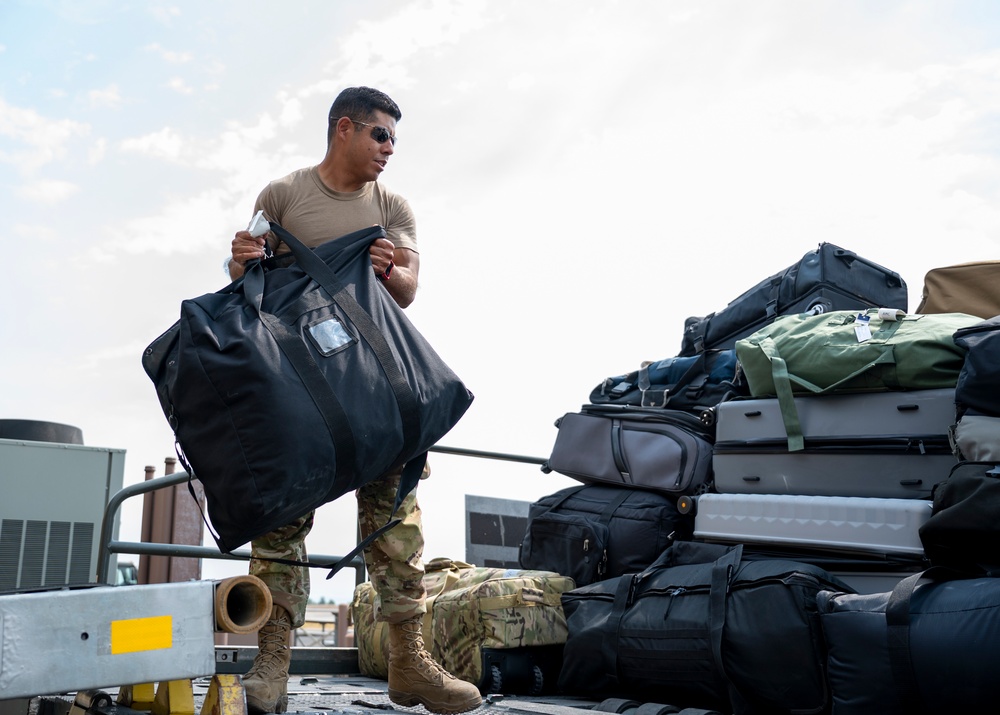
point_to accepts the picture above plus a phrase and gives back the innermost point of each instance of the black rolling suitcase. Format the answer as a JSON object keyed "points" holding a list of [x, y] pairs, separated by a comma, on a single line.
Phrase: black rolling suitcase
{"points": [[828, 278]]}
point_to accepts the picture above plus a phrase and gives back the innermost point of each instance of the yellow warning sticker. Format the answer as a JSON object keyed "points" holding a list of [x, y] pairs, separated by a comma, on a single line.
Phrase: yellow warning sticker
{"points": [[139, 634]]}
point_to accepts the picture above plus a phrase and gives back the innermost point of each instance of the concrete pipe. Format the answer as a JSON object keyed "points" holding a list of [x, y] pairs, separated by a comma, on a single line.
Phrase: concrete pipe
{"points": [[242, 604]]}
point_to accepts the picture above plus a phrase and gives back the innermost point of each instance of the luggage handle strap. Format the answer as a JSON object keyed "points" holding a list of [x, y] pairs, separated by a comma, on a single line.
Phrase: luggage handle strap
{"points": [[783, 380], [722, 572], [686, 379]]}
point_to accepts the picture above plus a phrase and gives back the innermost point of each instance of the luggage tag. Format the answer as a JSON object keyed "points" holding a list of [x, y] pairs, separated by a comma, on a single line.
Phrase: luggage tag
{"points": [[861, 327]]}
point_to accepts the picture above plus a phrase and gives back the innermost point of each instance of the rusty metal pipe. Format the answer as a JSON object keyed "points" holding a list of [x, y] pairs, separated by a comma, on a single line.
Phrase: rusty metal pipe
{"points": [[242, 604]]}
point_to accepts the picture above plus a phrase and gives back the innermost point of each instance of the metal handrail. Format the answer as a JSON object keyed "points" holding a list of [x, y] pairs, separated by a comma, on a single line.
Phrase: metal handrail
{"points": [[108, 546]]}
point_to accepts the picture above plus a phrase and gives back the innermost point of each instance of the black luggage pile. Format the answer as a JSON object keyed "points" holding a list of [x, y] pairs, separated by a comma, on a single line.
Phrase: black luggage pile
{"points": [[760, 526]]}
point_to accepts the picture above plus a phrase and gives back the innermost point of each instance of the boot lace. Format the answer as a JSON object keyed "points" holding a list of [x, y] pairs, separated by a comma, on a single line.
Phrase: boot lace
{"points": [[272, 641], [413, 643]]}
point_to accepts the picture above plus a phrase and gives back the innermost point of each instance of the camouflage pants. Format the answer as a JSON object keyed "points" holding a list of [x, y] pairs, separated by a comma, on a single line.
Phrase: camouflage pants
{"points": [[394, 560]]}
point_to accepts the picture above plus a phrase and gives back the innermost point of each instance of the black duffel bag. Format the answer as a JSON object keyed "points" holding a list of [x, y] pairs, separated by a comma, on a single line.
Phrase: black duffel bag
{"points": [[963, 530], [593, 532], [693, 383], [978, 387], [929, 646], [298, 383], [702, 628]]}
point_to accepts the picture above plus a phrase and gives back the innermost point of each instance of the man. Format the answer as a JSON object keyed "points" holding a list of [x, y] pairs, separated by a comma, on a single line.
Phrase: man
{"points": [[340, 195]]}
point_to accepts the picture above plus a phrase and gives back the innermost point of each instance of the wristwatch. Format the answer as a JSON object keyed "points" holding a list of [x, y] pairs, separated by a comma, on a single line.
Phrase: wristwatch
{"points": [[388, 272]]}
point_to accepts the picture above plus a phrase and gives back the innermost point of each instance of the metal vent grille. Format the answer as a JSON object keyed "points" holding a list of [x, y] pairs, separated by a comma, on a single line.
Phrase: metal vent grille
{"points": [[35, 553]]}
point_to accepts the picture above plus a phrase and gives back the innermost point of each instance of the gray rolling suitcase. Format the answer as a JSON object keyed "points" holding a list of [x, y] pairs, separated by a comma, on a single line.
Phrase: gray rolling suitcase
{"points": [[872, 444]]}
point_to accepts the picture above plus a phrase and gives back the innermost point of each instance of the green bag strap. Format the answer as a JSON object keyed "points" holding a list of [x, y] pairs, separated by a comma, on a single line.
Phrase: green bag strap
{"points": [[783, 382]]}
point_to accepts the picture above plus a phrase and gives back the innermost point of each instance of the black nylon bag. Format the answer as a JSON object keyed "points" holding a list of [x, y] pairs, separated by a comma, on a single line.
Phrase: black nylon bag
{"points": [[593, 532], [701, 627], [964, 527], [693, 383], [978, 385], [929, 646], [298, 383], [826, 279]]}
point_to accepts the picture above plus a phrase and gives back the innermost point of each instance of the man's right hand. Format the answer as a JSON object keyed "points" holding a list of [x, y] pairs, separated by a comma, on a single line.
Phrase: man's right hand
{"points": [[245, 248]]}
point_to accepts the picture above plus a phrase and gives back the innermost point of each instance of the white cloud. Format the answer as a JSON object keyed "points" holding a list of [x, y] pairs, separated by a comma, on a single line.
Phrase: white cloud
{"points": [[165, 14], [39, 140], [166, 145], [47, 192], [109, 97], [178, 85], [171, 56]]}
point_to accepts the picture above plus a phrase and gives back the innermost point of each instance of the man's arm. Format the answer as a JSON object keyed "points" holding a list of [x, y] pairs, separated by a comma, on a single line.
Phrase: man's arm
{"points": [[402, 281]]}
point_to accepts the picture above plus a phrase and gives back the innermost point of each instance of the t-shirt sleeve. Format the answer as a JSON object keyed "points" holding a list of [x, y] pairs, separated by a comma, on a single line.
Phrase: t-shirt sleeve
{"points": [[401, 227]]}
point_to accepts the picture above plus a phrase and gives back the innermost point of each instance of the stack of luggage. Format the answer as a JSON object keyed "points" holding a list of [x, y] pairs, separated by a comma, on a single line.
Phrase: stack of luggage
{"points": [[809, 439]]}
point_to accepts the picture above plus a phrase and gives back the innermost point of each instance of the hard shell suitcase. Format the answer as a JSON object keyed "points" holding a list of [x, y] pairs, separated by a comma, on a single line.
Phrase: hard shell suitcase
{"points": [[825, 279], [847, 524], [877, 444]]}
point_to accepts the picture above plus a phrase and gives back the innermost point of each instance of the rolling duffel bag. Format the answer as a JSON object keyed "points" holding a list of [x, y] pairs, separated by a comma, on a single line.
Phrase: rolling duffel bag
{"points": [[299, 383], [596, 531], [502, 630], [929, 646], [702, 627], [826, 279], [847, 351], [667, 451]]}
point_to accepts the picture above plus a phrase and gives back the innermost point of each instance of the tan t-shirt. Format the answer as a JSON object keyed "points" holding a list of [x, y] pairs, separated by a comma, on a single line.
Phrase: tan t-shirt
{"points": [[312, 212]]}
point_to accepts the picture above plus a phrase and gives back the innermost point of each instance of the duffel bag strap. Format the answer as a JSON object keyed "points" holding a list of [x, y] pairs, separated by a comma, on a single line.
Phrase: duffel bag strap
{"points": [[722, 574], [897, 618]]}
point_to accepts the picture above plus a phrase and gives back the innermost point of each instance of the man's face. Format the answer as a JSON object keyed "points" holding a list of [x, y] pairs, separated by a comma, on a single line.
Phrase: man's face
{"points": [[368, 156]]}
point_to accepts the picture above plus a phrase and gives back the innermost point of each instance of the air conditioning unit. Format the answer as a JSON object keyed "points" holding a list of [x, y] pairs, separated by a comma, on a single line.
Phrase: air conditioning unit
{"points": [[54, 496]]}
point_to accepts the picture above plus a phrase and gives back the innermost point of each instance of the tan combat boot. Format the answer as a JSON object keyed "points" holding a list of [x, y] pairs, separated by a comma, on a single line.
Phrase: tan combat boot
{"points": [[416, 679], [266, 683]]}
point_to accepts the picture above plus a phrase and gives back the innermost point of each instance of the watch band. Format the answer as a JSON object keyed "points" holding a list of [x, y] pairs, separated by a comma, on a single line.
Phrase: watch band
{"points": [[388, 272]]}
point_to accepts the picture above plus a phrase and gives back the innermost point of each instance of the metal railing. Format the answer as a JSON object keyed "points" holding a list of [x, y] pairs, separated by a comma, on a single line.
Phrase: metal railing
{"points": [[108, 545]]}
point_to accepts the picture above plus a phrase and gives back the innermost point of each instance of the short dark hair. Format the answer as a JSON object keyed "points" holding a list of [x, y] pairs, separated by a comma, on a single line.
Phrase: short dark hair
{"points": [[360, 104]]}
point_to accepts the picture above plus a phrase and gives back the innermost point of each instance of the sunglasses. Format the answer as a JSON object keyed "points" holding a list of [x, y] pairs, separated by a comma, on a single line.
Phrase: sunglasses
{"points": [[379, 134]]}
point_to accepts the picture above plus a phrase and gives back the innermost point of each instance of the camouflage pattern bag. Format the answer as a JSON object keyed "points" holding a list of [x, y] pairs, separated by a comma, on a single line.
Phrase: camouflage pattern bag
{"points": [[504, 634], [487, 615], [371, 637]]}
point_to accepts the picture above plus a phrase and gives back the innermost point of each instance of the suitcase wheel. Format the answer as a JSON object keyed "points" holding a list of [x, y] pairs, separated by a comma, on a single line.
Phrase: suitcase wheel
{"points": [[656, 709], [686, 505], [616, 705]]}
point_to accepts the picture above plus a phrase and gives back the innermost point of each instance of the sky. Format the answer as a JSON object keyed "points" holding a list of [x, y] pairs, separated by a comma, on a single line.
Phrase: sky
{"points": [[585, 175]]}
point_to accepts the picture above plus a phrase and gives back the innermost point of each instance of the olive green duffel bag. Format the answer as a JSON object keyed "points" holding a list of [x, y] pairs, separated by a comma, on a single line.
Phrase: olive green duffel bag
{"points": [[848, 351]]}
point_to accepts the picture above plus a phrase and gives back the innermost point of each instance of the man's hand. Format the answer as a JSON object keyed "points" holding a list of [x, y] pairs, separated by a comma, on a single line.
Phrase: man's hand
{"points": [[381, 251], [245, 248]]}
